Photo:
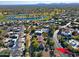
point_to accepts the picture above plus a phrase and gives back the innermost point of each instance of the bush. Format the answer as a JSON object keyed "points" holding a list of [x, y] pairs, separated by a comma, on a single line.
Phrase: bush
{"points": [[35, 45], [51, 43], [76, 37], [65, 44]]}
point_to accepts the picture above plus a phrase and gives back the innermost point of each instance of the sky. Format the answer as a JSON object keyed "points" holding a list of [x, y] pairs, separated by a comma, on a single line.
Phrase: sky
{"points": [[14, 2]]}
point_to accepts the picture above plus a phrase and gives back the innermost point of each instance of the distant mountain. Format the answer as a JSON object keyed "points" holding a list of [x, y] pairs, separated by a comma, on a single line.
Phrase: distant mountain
{"points": [[60, 5], [52, 5]]}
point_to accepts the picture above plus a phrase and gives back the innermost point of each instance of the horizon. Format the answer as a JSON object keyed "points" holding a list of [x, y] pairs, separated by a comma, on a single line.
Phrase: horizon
{"points": [[32, 2]]}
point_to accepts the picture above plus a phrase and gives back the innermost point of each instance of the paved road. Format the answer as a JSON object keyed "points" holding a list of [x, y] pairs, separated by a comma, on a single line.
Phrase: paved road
{"points": [[65, 25], [57, 44], [76, 23]]}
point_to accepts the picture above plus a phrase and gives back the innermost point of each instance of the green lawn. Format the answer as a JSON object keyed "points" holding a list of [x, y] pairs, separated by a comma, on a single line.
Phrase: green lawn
{"points": [[3, 19]]}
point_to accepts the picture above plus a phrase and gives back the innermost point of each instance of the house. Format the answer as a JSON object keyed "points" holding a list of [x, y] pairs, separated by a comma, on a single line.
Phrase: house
{"points": [[6, 40], [74, 43], [45, 30], [1, 24], [38, 32], [66, 33], [77, 30], [40, 38]]}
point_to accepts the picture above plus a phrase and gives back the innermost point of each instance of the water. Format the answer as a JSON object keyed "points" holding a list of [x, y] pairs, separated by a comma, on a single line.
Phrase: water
{"points": [[13, 17]]}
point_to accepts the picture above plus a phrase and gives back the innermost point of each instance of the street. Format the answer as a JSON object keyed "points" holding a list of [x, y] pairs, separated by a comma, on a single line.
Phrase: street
{"points": [[57, 44]]}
